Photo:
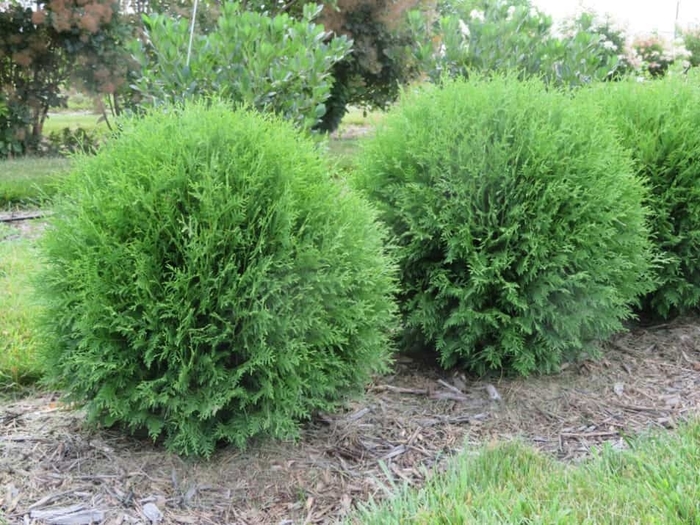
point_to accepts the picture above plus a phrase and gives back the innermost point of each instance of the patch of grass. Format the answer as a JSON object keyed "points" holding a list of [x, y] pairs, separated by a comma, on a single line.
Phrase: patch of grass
{"points": [[87, 121], [78, 101], [19, 363], [359, 117], [344, 153], [657, 481], [344, 150], [29, 182]]}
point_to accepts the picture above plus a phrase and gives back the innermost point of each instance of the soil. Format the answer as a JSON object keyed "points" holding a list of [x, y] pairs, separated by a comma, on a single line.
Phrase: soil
{"points": [[52, 466]]}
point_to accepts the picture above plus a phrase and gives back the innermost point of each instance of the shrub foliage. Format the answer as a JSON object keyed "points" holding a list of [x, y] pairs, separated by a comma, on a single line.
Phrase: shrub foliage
{"points": [[519, 224], [660, 124], [209, 281], [275, 64], [514, 37]]}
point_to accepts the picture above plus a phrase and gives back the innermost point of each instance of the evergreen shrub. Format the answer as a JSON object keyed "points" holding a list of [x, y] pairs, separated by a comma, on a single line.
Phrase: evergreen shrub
{"points": [[208, 281], [518, 222], [659, 122]]}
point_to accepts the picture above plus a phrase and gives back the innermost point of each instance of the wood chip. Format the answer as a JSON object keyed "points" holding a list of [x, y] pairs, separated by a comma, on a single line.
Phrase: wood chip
{"points": [[152, 513], [396, 451], [619, 389], [451, 388], [359, 414], [493, 393], [72, 515]]}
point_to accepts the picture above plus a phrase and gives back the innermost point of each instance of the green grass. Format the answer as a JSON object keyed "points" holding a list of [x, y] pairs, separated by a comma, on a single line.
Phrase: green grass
{"points": [[88, 121], [29, 182], [656, 482], [343, 153], [344, 150], [18, 357], [80, 102], [358, 117]]}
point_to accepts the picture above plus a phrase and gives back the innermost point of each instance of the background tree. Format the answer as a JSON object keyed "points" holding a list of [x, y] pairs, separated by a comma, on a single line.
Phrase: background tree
{"points": [[41, 49], [370, 76], [655, 54], [691, 41], [381, 60]]}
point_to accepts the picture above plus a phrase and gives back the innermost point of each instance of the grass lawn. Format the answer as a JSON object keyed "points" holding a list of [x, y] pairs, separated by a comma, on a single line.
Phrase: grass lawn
{"points": [[18, 264], [657, 481], [29, 182], [358, 117], [87, 121]]}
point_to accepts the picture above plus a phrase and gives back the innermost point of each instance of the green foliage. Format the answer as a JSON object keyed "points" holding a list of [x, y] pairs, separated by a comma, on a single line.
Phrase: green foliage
{"points": [[275, 64], [611, 41], [15, 120], [521, 234], [659, 122], [691, 41], [69, 141], [487, 36], [209, 281]]}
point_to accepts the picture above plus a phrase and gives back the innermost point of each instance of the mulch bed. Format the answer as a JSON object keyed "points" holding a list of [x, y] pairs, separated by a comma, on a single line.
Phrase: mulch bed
{"points": [[55, 470], [23, 224]]}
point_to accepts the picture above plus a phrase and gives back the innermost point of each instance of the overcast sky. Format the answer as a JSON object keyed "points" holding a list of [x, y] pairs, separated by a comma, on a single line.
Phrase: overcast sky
{"points": [[640, 16]]}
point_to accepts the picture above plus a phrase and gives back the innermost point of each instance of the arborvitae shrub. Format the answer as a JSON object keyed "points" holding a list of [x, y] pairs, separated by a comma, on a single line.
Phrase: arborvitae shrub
{"points": [[520, 230], [208, 281], [659, 122]]}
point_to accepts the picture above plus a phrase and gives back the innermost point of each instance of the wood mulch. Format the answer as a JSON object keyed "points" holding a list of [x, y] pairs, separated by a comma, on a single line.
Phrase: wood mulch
{"points": [[22, 224], [55, 470]]}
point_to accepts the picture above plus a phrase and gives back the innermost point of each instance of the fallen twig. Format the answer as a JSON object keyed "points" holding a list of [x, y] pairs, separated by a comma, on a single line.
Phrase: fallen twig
{"points": [[24, 216]]}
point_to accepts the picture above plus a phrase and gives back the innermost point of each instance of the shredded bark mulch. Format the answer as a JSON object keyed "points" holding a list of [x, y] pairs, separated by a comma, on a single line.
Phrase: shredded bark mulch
{"points": [[56, 470]]}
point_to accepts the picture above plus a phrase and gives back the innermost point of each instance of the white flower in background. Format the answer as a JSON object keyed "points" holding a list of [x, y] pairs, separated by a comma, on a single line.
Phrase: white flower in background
{"points": [[680, 51], [608, 44], [633, 58], [464, 28], [477, 15], [442, 50], [534, 12], [511, 12]]}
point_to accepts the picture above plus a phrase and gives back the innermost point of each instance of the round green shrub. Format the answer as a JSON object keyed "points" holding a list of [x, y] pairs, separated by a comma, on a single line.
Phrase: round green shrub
{"points": [[659, 122], [208, 281], [520, 230]]}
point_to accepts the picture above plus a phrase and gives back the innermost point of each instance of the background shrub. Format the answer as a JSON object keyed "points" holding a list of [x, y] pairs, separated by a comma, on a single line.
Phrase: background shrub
{"points": [[207, 280], [519, 224], [660, 124], [513, 36], [69, 141], [275, 64]]}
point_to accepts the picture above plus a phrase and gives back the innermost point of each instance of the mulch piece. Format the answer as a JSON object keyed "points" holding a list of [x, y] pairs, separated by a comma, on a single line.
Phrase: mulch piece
{"points": [[56, 470]]}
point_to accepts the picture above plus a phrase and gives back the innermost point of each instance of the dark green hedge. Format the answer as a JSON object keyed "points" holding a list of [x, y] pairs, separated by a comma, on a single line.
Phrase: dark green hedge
{"points": [[520, 230], [659, 122], [208, 281]]}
